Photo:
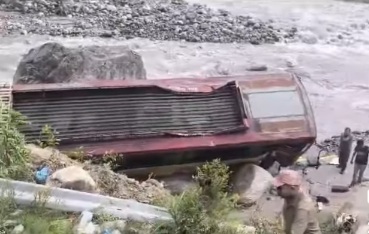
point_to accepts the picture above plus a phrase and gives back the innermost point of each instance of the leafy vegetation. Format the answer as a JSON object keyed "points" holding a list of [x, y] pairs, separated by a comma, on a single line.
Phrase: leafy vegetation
{"points": [[48, 137], [14, 156], [202, 209], [35, 218]]}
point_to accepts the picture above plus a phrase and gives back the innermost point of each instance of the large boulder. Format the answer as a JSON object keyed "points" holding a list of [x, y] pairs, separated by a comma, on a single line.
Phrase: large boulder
{"points": [[54, 63], [73, 177], [251, 182]]}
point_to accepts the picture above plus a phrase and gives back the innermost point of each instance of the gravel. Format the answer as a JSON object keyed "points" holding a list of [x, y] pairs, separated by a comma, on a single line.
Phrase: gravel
{"points": [[171, 20]]}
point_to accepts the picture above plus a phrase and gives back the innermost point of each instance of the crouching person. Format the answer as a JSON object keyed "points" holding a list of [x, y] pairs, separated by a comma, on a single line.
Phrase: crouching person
{"points": [[299, 211]]}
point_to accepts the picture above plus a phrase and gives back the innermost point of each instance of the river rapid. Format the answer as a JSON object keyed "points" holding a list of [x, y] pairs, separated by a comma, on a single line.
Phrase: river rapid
{"points": [[331, 55]]}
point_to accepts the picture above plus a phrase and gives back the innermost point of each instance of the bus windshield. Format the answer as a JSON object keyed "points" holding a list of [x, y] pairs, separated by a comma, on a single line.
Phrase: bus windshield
{"points": [[276, 104]]}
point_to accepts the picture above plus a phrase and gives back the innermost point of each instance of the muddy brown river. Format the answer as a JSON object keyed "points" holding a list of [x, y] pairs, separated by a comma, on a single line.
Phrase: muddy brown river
{"points": [[331, 55]]}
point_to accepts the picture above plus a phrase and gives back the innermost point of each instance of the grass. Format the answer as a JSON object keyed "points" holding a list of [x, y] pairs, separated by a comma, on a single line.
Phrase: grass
{"points": [[202, 208], [14, 156], [36, 218]]}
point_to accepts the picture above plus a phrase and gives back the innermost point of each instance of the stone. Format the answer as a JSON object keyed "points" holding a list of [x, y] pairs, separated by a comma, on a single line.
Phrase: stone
{"points": [[111, 8], [84, 225], [257, 68], [178, 184], [85, 218], [157, 20], [10, 223], [251, 182], [89, 228], [55, 63], [308, 38], [73, 177], [18, 229]]}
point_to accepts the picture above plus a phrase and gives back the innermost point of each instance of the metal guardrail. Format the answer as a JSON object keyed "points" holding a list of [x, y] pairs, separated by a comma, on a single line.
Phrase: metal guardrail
{"points": [[74, 201]]}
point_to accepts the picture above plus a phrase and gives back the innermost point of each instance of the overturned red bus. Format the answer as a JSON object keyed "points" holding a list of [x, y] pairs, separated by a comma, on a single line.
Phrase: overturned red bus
{"points": [[165, 126]]}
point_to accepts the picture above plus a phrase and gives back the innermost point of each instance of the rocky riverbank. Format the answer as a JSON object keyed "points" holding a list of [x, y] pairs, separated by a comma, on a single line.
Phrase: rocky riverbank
{"points": [[157, 20], [332, 143]]}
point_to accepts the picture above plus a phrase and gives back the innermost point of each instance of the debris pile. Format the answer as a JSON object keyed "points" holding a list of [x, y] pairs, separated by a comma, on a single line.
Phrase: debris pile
{"points": [[333, 142], [120, 186], [71, 174], [170, 20], [50, 157]]}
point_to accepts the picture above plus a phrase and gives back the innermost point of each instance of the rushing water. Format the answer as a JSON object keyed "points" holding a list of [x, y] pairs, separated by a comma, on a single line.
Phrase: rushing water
{"points": [[332, 54]]}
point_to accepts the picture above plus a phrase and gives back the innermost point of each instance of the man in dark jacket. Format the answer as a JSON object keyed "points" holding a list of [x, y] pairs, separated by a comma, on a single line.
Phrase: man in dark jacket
{"points": [[345, 149], [360, 156]]}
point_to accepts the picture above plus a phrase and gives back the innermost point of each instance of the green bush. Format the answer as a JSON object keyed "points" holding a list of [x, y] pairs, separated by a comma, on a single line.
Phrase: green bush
{"points": [[14, 156], [48, 137], [36, 219], [203, 208]]}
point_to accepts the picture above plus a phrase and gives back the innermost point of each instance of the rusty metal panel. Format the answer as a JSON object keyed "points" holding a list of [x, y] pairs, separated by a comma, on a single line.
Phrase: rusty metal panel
{"points": [[178, 144], [251, 82], [91, 115], [268, 85], [284, 126]]}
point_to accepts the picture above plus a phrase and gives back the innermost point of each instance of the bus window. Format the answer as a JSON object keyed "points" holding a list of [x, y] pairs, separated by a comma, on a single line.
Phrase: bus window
{"points": [[276, 104]]}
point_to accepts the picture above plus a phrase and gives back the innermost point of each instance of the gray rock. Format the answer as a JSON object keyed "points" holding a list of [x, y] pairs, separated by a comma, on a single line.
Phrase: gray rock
{"points": [[257, 68], [85, 218], [111, 8], [10, 223], [84, 225], [251, 182], [18, 229], [308, 38], [178, 184], [54, 63]]}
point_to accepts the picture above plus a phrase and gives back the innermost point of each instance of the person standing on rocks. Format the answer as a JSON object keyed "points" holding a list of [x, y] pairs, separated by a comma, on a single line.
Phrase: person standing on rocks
{"points": [[360, 156], [344, 149], [299, 212]]}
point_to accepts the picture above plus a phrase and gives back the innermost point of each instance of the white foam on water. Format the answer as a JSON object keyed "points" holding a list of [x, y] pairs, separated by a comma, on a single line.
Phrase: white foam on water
{"points": [[334, 74]]}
